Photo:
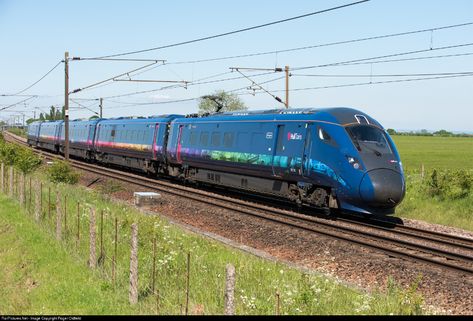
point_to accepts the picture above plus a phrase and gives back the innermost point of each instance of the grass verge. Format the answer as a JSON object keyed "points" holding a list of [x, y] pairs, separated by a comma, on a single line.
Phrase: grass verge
{"points": [[44, 276]]}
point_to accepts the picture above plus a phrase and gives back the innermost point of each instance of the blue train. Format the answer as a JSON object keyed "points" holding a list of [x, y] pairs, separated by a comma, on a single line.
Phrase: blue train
{"points": [[331, 158]]}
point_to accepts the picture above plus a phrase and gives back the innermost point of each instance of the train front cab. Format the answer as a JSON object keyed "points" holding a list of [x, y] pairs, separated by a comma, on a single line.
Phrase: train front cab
{"points": [[357, 163]]}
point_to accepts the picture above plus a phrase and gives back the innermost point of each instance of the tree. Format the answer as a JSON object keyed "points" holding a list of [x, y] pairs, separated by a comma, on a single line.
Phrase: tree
{"points": [[220, 101], [443, 133], [391, 131]]}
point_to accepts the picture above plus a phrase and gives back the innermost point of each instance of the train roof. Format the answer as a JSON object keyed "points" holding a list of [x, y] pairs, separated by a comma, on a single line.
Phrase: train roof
{"points": [[337, 115], [124, 120]]}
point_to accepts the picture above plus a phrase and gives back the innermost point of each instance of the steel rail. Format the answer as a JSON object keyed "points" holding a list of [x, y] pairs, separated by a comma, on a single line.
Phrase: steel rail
{"points": [[290, 218]]}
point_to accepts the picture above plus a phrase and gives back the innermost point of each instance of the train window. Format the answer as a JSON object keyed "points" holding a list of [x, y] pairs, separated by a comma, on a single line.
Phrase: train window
{"points": [[228, 139], [323, 135], [280, 147], [369, 139], [243, 139], [215, 140], [204, 138], [193, 138]]}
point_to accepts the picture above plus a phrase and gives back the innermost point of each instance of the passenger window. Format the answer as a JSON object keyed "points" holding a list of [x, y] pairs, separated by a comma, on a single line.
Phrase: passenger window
{"points": [[193, 138], [204, 138], [281, 134], [243, 139], [228, 139], [215, 140]]}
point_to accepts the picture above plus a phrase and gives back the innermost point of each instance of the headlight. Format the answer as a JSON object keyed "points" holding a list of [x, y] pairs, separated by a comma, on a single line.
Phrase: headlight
{"points": [[354, 162]]}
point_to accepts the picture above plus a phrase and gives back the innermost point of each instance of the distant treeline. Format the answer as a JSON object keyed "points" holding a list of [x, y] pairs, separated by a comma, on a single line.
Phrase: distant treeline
{"points": [[425, 132]]}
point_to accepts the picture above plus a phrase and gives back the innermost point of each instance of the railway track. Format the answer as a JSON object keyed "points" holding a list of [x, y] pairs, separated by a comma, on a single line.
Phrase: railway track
{"points": [[395, 240]]}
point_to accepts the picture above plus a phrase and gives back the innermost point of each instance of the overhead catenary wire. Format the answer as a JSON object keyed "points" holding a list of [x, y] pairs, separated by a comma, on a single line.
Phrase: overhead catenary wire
{"points": [[231, 32], [33, 84], [383, 56], [112, 78], [369, 83], [383, 75], [17, 103], [322, 45]]}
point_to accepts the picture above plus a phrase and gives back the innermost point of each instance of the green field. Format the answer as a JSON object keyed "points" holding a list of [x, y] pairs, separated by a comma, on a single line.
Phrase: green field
{"points": [[446, 155], [435, 152]]}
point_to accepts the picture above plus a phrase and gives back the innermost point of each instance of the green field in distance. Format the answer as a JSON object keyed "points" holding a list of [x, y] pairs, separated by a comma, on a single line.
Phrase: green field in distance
{"points": [[435, 152]]}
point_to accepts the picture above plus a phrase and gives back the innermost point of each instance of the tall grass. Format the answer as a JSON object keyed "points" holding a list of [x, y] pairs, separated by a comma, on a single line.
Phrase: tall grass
{"points": [[257, 282], [451, 206]]}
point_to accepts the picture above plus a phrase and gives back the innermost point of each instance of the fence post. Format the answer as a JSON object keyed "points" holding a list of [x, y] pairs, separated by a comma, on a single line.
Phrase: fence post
{"points": [[187, 281], [22, 189], [230, 290], [278, 304], [2, 177], [134, 265], [37, 202], [65, 217], [10, 182], [49, 203], [58, 216], [153, 275], [41, 198], [78, 225], [102, 254], [30, 195], [422, 170], [115, 253], [93, 255]]}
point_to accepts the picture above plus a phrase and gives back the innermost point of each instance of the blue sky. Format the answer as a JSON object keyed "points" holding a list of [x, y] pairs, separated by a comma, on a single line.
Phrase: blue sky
{"points": [[35, 34]]}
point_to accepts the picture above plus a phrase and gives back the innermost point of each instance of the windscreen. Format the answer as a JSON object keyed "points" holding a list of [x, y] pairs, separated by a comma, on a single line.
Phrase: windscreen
{"points": [[369, 139]]}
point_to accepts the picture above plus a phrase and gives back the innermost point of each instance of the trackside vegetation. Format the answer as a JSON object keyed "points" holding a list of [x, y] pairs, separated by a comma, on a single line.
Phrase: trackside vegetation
{"points": [[439, 178], [46, 275]]}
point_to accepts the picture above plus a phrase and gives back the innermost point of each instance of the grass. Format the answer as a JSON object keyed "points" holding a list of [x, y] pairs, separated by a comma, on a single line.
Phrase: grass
{"points": [[40, 277], [435, 152], [18, 131], [441, 153], [65, 285], [417, 204]]}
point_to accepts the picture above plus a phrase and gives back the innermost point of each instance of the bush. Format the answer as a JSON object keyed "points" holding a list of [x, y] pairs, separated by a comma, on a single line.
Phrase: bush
{"points": [[62, 172], [20, 157], [449, 184]]}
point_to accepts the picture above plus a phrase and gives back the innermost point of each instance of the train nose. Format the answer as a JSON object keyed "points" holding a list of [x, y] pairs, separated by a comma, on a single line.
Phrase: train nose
{"points": [[382, 188]]}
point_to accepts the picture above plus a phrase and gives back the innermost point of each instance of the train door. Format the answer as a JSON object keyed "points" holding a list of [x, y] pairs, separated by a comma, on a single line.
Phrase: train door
{"points": [[288, 149], [179, 144], [155, 141], [307, 151]]}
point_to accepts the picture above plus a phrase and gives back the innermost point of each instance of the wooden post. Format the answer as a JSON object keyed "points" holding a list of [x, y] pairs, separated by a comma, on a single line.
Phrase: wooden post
{"points": [[102, 255], [277, 303], [10, 182], [134, 265], [41, 198], [37, 201], [93, 255], [153, 275], [78, 225], [30, 195], [58, 216], [187, 281], [115, 253], [21, 188], [49, 202], [230, 290], [2, 177], [65, 216], [422, 171]]}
